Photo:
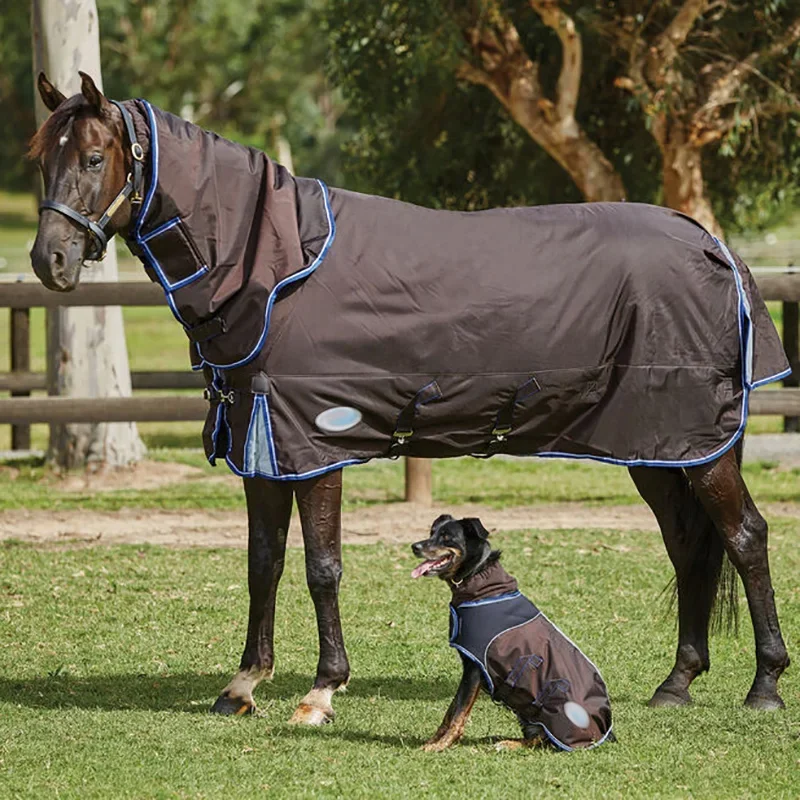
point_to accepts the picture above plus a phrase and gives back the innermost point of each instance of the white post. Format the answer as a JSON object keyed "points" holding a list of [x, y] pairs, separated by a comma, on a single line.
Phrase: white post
{"points": [[87, 353]]}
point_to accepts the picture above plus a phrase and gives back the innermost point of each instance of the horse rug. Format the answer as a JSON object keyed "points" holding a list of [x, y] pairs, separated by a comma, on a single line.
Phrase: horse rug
{"points": [[335, 327]]}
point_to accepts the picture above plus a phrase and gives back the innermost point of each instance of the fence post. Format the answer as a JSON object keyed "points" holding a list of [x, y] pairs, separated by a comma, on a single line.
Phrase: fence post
{"points": [[418, 481], [20, 319], [791, 344], [53, 356]]}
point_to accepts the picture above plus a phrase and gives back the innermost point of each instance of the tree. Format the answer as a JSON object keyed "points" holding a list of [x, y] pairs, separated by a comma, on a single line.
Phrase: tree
{"points": [[249, 69], [707, 73], [87, 347], [17, 121], [400, 61], [703, 83]]}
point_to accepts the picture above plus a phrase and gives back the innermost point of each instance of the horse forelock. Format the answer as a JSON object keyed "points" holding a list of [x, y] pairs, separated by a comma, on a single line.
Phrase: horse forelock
{"points": [[58, 125]]}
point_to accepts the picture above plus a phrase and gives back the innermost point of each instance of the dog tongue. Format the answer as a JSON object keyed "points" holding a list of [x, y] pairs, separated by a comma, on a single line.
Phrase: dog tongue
{"points": [[424, 567]]}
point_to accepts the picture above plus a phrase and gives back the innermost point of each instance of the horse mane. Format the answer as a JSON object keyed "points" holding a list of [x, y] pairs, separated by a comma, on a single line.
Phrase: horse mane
{"points": [[56, 125]]}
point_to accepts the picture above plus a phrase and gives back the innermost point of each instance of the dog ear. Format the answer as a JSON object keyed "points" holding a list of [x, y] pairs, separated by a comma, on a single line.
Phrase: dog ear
{"points": [[440, 520], [51, 97], [475, 527]]}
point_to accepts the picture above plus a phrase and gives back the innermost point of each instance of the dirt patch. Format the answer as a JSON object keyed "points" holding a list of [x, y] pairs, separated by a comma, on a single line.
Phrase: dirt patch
{"points": [[139, 477], [393, 523]]}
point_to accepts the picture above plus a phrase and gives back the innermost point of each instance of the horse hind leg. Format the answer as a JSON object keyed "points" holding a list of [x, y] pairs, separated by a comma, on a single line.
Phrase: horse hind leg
{"points": [[722, 490], [696, 554]]}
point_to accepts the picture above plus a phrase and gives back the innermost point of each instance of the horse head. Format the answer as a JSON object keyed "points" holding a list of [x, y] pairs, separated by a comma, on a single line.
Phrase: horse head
{"points": [[80, 149]]}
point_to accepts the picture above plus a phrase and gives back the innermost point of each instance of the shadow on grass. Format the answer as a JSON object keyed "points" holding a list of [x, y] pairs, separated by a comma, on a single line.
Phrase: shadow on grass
{"points": [[192, 693]]}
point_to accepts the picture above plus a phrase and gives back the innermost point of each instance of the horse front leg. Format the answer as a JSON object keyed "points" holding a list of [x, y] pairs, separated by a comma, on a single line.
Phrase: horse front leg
{"points": [[319, 502], [269, 508]]}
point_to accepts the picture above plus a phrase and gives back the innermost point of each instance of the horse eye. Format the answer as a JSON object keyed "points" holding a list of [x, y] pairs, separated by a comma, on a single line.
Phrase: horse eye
{"points": [[95, 161]]}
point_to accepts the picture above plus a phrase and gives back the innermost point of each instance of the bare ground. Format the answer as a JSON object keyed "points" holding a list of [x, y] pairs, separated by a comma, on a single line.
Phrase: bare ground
{"points": [[392, 523]]}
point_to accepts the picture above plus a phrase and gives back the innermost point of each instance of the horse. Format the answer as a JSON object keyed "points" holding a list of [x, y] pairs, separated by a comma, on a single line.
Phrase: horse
{"points": [[100, 161]]}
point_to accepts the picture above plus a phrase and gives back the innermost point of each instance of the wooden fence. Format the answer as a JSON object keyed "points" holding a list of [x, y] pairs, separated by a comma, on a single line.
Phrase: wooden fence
{"points": [[20, 410]]}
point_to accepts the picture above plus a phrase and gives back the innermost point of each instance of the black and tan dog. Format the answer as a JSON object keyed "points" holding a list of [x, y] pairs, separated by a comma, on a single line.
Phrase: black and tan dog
{"points": [[509, 646]]}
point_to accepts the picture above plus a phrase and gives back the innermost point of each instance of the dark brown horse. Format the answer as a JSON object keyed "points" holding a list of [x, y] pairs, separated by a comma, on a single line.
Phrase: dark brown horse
{"points": [[94, 180]]}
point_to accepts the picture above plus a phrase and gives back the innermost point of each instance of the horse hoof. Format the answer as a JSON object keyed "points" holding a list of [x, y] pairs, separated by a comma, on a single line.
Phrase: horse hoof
{"points": [[670, 698], [311, 715], [233, 706], [762, 702]]}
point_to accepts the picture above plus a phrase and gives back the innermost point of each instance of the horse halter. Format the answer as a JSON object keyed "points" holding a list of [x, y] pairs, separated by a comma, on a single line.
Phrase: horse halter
{"points": [[98, 237]]}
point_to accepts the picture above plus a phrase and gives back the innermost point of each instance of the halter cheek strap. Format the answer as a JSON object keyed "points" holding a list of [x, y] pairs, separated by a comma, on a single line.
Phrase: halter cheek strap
{"points": [[98, 236]]}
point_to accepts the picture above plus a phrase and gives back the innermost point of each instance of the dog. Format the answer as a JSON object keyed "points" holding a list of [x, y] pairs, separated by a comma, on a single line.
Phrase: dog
{"points": [[510, 648]]}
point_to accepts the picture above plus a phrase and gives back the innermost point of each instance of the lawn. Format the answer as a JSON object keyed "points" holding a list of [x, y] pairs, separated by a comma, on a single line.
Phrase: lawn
{"points": [[498, 483], [111, 657]]}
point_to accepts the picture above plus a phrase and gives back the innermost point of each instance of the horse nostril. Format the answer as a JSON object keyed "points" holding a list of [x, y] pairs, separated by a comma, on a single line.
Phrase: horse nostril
{"points": [[58, 261]]}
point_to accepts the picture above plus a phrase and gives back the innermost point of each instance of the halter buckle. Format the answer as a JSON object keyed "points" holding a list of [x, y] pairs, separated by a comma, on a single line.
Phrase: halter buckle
{"points": [[137, 152]]}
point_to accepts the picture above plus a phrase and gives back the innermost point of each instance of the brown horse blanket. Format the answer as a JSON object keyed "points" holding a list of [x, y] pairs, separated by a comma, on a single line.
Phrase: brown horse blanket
{"points": [[335, 327], [527, 663]]}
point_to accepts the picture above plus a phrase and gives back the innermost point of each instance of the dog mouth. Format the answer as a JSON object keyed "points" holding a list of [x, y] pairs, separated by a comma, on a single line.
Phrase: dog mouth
{"points": [[433, 566]]}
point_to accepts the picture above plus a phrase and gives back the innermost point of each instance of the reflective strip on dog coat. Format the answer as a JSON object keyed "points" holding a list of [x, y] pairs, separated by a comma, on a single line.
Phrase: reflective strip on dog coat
{"points": [[531, 667]]}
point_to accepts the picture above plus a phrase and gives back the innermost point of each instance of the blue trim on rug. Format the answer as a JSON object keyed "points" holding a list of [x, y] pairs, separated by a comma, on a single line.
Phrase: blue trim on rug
{"points": [[293, 278], [746, 350], [499, 598], [466, 653]]}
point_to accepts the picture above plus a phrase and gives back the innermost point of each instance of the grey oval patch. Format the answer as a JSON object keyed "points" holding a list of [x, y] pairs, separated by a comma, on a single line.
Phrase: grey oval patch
{"points": [[576, 714], [336, 420]]}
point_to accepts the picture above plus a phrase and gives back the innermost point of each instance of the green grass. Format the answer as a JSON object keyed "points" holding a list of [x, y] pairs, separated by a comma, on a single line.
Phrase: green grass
{"points": [[111, 657], [497, 483]]}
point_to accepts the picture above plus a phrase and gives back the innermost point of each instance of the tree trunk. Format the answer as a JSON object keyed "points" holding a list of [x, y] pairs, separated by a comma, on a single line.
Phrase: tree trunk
{"points": [[684, 186], [87, 353]]}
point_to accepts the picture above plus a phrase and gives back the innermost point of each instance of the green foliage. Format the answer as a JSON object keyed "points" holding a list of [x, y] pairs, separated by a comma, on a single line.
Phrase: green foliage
{"points": [[112, 656], [425, 136], [17, 122], [250, 70]]}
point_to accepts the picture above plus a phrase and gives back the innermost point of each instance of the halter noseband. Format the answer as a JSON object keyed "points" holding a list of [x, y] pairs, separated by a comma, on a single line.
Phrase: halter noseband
{"points": [[98, 237]]}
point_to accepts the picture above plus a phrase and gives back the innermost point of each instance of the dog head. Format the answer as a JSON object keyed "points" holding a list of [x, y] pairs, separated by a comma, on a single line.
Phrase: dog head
{"points": [[455, 550]]}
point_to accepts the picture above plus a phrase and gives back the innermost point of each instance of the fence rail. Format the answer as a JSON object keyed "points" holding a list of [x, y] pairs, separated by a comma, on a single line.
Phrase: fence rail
{"points": [[21, 410]]}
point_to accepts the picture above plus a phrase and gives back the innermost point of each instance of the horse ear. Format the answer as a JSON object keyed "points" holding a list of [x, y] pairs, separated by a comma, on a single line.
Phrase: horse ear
{"points": [[93, 95], [475, 526], [51, 97]]}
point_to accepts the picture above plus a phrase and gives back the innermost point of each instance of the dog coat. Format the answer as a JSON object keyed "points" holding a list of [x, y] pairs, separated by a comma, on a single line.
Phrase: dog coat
{"points": [[528, 664], [336, 327]]}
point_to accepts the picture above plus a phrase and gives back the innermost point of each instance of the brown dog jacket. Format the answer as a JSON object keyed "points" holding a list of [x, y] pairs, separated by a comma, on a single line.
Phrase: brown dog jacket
{"points": [[527, 663]]}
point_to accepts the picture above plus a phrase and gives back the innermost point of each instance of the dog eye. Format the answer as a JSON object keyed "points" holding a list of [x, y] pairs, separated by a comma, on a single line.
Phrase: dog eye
{"points": [[94, 161]]}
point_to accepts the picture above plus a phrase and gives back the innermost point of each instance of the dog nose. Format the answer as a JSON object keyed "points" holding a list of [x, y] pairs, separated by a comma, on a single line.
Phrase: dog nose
{"points": [[416, 548]]}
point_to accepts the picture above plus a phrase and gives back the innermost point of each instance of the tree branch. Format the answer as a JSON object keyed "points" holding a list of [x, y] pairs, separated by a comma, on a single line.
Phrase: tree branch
{"points": [[569, 79], [788, 38], [724, 89], [661, 55]]}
